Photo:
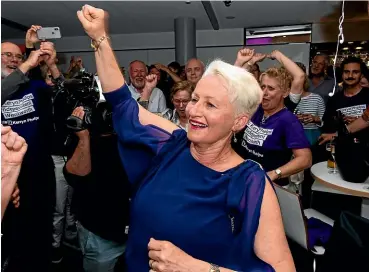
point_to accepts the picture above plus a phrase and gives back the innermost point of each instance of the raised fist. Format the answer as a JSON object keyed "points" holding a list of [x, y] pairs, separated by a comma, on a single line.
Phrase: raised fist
{"points": [[243, 56], [94, 21], [13, 147]]}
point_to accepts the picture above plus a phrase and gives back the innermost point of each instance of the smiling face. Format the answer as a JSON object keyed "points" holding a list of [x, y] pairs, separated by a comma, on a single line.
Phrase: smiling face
{"points": [[11, 58], [137, 74], [211, 114]]}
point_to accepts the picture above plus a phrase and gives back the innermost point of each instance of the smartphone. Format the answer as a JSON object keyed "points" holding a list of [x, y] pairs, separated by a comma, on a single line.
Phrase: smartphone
{"points": [[48, 33]]}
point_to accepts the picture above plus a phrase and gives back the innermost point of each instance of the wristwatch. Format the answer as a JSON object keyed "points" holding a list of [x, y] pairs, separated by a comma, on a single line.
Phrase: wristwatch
{"points": [[279, 173], [214, 268]]}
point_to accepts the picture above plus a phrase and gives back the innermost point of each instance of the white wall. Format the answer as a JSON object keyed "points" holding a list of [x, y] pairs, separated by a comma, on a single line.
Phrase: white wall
{"points": [[159, 47]]}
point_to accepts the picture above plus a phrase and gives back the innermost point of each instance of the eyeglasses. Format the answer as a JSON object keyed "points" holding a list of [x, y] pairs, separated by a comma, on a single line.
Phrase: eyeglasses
{"points": [[178, 101], [11, 55]]}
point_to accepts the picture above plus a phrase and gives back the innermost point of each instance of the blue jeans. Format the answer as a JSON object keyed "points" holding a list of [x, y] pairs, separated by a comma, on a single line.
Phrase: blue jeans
{"points": [[99, 255]]}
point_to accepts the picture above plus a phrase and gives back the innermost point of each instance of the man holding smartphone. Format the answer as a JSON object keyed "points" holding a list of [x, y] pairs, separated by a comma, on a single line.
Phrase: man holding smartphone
{"points": [[27, 108]]}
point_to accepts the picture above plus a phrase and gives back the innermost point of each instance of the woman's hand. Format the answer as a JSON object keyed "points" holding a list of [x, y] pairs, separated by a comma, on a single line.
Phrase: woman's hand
{"points": [[166, 257], [257, 58], [94, 21], [243, 56]]}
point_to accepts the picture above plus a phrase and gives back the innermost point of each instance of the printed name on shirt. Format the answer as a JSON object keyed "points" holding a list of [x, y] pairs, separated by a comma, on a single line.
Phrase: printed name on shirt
{"points": [[19, 122], [18, 107], [255, 135], [251, 151], [356, 111]]}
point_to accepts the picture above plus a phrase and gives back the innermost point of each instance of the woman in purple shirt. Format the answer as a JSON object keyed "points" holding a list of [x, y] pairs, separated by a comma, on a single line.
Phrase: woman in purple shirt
{"points": [[197, 206], [274, 133]]}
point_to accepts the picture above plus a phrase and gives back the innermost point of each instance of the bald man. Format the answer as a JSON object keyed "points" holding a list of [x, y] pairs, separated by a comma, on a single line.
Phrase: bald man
{"points": [[195, 68]]}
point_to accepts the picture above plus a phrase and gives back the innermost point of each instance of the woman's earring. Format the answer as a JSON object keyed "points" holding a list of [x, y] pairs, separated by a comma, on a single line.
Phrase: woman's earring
{"points": [[234, 137]]}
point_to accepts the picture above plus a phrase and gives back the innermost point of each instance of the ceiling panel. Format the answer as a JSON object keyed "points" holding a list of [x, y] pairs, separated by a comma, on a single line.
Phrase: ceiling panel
{"points": [[158, 16], [125, 17], [271, 13]]}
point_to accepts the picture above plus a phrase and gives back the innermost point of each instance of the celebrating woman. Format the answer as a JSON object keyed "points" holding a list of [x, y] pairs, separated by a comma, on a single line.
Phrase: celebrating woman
{"points": [[274, 134], [197, 206]]}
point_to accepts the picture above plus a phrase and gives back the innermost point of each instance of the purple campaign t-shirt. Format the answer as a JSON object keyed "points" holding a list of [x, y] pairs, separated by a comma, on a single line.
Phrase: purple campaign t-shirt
{"points": [[270, 143]]}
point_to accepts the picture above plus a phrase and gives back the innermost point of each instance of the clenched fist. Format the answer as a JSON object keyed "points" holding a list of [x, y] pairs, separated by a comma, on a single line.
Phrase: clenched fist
{"points": [[13, 147], [150, 84], [243, 56], [94, 21]]}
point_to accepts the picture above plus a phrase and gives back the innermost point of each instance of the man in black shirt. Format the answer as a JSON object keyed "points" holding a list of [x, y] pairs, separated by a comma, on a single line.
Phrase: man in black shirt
{"points": [[101, 194], [352, 102]]}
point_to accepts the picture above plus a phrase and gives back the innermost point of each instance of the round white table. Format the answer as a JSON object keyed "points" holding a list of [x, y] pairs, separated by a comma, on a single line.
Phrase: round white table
{"points": [[320, 173]]}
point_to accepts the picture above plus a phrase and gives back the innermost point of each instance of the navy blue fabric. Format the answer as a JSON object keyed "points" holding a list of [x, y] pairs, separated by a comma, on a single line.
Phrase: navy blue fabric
{"points": [[180, 200]]}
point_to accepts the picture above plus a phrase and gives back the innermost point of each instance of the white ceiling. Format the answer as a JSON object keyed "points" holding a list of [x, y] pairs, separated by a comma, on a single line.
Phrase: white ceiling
{"points": [[158, 16]]}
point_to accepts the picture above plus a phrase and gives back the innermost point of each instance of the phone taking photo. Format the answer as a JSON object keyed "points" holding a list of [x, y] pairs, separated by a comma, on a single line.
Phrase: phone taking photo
{"points": [[48, 33]]}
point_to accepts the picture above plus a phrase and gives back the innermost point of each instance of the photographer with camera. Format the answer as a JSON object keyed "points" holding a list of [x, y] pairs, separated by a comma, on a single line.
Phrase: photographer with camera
{"points": [[101, 190]]}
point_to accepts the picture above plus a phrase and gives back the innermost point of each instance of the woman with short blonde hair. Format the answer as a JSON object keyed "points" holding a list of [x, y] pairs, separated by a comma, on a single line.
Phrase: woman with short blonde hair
{"points": [[196, 204]]}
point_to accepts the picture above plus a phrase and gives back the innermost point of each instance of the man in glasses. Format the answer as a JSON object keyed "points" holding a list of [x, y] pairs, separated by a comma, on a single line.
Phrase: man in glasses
{"points": [[26, 107]]}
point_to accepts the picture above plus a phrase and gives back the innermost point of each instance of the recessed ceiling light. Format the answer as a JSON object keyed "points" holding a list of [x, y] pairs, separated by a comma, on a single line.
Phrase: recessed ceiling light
{"points": [[350, 42], [363, 42], [358, 48], [284, 36], [230, 17], [345, 48]]}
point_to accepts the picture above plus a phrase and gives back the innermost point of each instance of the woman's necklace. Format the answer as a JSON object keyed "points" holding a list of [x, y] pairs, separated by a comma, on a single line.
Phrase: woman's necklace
{"points": [[265, 117], [263, 120]]}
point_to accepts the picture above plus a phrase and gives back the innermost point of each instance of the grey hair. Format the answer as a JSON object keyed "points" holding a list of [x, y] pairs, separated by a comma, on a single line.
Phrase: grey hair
{"points": [[326, 58], [244, 90], [130, 64]]}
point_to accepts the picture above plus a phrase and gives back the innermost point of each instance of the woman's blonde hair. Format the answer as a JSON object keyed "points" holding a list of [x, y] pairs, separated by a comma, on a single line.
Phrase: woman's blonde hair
{"points": [[283, 77], [182, 86], [244, 90]]}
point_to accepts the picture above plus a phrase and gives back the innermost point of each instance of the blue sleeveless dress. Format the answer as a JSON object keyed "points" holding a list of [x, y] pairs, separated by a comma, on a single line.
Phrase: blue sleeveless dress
{"points": [[212, 216]]}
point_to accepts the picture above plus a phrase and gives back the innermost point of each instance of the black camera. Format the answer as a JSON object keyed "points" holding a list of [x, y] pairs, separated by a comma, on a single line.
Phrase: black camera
{"points": [[83, 91]]}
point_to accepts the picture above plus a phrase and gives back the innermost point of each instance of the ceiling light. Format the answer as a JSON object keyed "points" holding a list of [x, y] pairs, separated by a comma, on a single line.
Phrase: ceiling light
{"points": [[345, 48], [230, 17], [363, 42], [350, 42], [358, 48], [284, 36]]}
